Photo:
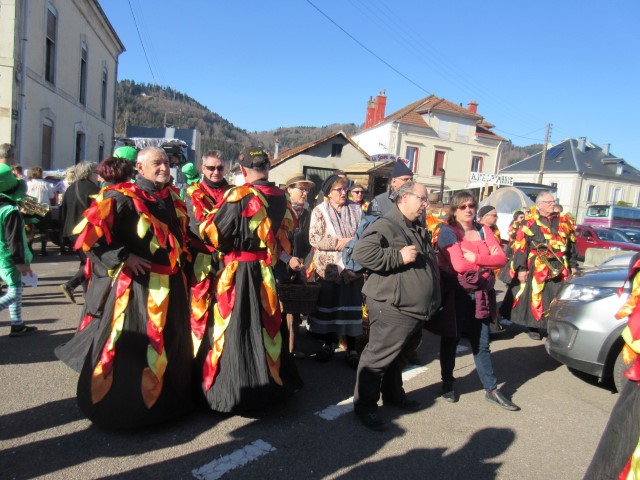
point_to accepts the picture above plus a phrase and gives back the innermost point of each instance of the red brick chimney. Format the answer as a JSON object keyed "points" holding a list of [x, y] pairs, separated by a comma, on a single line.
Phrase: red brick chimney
{"points": [[472, 106], [381, 105], [371, 113]]}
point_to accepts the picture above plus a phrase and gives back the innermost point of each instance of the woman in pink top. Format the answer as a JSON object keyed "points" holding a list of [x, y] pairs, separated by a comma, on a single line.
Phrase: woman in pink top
{"points": [[468, 253]]}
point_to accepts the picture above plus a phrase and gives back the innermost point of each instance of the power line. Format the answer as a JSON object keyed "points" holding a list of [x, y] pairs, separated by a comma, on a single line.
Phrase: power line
{"points": [[142, 43], [368, 49]]}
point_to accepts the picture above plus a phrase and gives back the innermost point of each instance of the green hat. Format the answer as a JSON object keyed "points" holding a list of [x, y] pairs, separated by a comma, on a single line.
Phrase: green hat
{"points": [[10, 186], [189, 170], [126, 152]]}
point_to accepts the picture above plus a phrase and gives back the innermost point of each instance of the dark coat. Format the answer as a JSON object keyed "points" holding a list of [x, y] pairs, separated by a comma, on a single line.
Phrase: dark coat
{"points": [[75, 201]]}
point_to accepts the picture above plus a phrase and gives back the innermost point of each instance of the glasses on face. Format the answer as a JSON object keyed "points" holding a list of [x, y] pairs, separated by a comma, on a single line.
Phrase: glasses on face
{"points": [[212, 168], [302, 190], [547, 201], [419, 197], [464, 206], [357, 192], [341, 190]]}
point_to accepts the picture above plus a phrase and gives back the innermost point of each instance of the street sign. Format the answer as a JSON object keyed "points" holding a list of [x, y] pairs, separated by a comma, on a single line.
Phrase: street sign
{"points": [[490, 179]]}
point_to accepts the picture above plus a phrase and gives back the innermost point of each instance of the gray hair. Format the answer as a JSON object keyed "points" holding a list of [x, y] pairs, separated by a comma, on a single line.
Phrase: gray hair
{"points": [[85, 169], [6, 150], [406, 187], [214, 154], [541, 195], [142, 154], [70, 174]]}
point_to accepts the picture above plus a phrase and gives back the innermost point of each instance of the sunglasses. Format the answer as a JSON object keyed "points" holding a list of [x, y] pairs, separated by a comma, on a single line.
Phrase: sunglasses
{"points": [[357, 192], [219, 168], [467, 205]]}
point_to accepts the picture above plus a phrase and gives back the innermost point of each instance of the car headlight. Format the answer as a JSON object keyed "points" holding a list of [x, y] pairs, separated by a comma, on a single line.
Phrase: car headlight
{"points": [[585, 293]]}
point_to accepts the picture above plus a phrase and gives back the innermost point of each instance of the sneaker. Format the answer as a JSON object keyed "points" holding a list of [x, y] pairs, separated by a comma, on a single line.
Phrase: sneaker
{"points": [[372, 421], [67, 293], [21, 330], [449, 393]]}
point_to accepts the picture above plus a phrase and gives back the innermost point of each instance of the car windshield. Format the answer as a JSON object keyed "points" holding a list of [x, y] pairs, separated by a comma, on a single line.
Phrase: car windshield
{"points": [[612, 235]]}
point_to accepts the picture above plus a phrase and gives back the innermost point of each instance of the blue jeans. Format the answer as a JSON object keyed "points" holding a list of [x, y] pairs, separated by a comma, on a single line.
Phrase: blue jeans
{"points": [[478, 331]]}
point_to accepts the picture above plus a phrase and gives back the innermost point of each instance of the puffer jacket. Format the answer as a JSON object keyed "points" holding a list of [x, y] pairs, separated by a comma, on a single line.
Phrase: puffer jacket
{"points": [[413, 289]]}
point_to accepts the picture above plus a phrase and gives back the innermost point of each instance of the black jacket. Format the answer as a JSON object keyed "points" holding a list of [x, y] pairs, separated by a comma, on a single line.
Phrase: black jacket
{"points": [[75, 201], [413, 289]]}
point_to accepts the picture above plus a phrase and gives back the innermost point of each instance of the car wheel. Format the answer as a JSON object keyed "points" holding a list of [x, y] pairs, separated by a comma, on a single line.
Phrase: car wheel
{"points": [[619, 369]]}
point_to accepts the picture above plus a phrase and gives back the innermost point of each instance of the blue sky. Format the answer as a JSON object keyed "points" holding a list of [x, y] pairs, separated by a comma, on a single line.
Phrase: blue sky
{"points": [[263, 65]]}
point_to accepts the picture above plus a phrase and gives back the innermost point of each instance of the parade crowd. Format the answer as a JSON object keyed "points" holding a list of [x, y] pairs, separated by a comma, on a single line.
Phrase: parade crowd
{"points": [[181, 287]]}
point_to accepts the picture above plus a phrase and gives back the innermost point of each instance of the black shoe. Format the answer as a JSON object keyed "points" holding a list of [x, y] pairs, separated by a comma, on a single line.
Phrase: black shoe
{"points": [[372, 421], [414, 358], [67, 293], [449, 393], [353, 358], [404, 404], [21, 330], [325, 353], [496, 397]]}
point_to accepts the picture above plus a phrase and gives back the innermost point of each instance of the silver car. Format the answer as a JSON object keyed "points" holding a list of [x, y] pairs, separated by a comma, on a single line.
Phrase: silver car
{"points": [[583, 331]]}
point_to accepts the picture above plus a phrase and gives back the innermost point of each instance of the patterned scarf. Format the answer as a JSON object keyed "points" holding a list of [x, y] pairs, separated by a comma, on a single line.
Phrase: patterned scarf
{"points": [[344, 221]]}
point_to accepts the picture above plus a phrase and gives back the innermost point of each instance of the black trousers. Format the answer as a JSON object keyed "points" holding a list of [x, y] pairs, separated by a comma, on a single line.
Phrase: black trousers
{"points": [[392, 336]]}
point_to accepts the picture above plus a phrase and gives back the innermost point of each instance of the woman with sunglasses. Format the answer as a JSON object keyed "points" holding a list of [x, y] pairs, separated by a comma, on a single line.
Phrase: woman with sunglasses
{"points": [[468, 253]]}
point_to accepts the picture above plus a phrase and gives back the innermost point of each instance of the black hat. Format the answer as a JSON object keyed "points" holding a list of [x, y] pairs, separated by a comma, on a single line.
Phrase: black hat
{"points": [[328, 183], [400, 169], [253, 157], [484, 210]]}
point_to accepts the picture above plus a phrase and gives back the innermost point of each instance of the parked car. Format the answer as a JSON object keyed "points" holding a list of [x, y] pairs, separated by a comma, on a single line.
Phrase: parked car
{"points": [[631, 232], [602, 237], [583, 331]]}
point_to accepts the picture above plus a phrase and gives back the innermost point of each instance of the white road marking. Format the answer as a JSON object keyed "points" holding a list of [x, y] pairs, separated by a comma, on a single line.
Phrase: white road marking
{"points": [[345, 406], [239, 458]]}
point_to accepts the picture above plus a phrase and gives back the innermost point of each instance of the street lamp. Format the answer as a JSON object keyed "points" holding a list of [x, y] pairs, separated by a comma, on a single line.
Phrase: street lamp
{"points": [[441, 185]]}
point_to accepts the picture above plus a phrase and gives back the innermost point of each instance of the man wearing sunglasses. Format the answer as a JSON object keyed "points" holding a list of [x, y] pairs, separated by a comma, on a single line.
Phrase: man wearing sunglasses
{"points": [[203, 200]]}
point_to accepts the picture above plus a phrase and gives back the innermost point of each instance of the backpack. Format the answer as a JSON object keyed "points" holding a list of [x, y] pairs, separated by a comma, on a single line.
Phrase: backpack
{"points": [[347, 251]]}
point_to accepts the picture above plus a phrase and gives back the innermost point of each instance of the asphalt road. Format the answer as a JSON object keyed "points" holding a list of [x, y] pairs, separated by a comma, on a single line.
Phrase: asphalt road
{"points": [[314, 435]]}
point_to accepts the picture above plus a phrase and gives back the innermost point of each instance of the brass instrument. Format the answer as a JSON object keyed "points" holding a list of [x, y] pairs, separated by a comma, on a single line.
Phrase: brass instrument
{"points": [[549, 258], [29, 206]]}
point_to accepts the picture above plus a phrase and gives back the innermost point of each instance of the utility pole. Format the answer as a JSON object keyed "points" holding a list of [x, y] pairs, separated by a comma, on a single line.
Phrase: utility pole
{"points": [[544, 153]]}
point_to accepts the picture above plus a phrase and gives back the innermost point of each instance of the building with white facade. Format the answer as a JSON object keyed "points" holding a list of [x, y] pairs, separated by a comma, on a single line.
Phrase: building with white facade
{"points": [[436, 137], [583, 173], [58, 74]]}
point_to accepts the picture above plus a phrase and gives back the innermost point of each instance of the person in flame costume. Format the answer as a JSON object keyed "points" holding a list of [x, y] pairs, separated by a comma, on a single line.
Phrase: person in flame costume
{"points": [[618, 453], [203, 200], [546, 234], [137, 371], [248, 365]]}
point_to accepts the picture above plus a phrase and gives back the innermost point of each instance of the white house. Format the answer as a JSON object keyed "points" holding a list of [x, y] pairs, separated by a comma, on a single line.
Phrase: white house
{"points": [[58, 73], [436, 136]]}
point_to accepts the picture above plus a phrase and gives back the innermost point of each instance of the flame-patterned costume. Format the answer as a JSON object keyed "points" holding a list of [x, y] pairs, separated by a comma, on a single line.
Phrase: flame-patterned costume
{"points": [[248, 364], [203, 199], [618, 453], [138, 369], [533, 297]]}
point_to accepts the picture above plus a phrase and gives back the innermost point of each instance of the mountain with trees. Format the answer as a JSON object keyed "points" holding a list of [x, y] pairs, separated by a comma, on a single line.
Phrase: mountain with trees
{"points": [[148, 105]]}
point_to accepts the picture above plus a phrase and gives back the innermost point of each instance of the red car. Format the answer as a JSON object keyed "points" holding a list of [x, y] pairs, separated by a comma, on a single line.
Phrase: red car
{"points": [[602, 237]]}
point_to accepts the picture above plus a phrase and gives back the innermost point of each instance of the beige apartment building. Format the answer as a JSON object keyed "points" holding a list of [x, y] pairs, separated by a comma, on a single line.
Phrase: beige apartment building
{"points": [[437, 138], [58, 74]]}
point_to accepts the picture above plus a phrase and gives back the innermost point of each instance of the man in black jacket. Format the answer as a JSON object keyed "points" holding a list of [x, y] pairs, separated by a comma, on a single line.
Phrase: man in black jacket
{"points": [[75, 201], [403, 291]]}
